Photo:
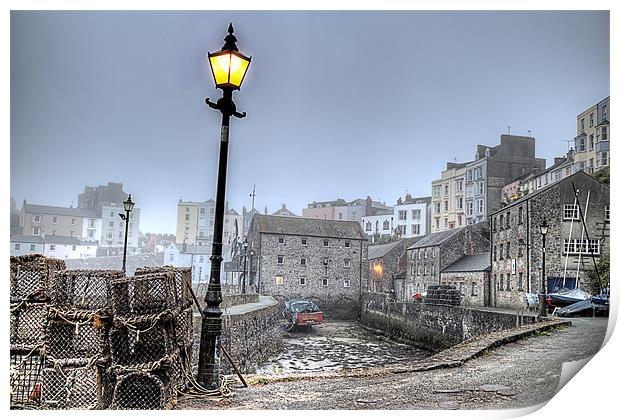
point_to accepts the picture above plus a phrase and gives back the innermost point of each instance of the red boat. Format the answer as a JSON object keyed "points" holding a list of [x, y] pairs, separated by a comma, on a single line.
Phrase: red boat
{"points": [[303, 313]]}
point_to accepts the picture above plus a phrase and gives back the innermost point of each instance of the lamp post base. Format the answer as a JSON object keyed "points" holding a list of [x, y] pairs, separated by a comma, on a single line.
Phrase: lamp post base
{"points": [[542, 305]]}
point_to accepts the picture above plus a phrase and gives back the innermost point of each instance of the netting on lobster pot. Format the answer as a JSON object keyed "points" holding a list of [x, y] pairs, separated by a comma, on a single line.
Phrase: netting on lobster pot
{"points": [[184, 328], [31, 275], [75, 335], [82, 289], [143, 294], [75, 386], [28, 323], [142, 391], [25, 377], [141, 342], [182, 282]]}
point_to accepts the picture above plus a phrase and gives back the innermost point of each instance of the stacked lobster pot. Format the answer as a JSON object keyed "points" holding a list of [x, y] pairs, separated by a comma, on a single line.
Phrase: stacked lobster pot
{"points": [[31, 276], [148, 338], [76, 346]]}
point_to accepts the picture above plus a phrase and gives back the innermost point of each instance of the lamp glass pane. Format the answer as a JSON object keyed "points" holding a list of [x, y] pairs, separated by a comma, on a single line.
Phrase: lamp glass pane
{"points": [[238, 67], [220, 64]]}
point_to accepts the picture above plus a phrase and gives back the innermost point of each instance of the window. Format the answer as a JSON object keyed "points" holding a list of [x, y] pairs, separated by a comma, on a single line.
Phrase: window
{"points": [[280, 259], [604, 112], [480, 206], [304, 241], [446, 189], [470, 208], [402, 214], [445, 205], [445, 222], [340, 215], [280, 240], [347, 244], [495, 224], [607, 213], [36, 231], [201, 258], [591, 141], [473, 289], [508, 281], [302, 281], [109, 235], [459, 203], [437, 207], [520, 215], [202, 210], [17, 247], [347, 263], [583, 124], [436, 191], [481, 188], [576, 246], [302, 261], [112, 213], [604, 159], [404, 228], [346, 283], [36, 218], [279, 280], [603, 133], [368, 227], [507, 220], [501, 282], [73, 221], [501, 222], [120, 234], [53, 233], [73, 248], [412, 270], [32, 247], [325, 242], [459, 185], [591, 119], [52, 247], [325, 282], [91, 223], [501, 251], [520, 251], [495, 253], [571, 212], [520, 283], [415, 214], [415, 229], [187, 217], [386, 226]]}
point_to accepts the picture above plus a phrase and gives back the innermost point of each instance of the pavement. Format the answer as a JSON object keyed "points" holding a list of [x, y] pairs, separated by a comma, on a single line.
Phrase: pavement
{"points": [[517, 374]]}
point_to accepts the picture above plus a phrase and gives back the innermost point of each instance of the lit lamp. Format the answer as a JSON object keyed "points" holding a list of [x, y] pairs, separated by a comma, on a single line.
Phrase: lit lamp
{"points": [[378, 269], [228, 67], [128, 206], [542, 296]]}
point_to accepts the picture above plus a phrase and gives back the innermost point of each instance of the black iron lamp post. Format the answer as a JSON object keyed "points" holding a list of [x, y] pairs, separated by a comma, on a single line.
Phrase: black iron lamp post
{"points": [[128, 206], [229, 68], [542, 303], [245, 259]]}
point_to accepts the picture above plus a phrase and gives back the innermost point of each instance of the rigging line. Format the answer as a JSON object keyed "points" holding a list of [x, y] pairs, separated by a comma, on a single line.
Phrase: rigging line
{"points": [[585, 216], [585, 228], [570, 235]]}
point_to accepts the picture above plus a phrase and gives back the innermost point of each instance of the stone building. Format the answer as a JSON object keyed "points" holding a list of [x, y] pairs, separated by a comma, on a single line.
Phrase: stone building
{"points": [[470, 275], [386, 264], [516, 241], [299, 257], [428, 257], [592, 140]]}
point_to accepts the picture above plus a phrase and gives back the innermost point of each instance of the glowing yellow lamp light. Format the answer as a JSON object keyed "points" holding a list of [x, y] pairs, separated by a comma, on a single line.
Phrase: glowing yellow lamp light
{"points": [[229, 68], [378, 269]]}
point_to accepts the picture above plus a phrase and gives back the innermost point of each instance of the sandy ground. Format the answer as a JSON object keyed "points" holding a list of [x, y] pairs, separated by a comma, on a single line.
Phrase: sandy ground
{"points": [[520, 374]]}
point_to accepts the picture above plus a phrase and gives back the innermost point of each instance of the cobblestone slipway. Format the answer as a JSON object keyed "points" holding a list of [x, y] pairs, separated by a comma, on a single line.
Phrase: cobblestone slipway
{"points": [[516, 375]]}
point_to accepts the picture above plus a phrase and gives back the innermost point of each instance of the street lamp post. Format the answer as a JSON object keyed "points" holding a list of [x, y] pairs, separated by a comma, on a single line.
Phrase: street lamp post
{"points": [[245, 260], [542, 303], [128, 206], [228, 67]]}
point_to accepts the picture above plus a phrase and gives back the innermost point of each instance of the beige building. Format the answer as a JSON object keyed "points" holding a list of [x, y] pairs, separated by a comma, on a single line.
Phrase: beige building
{"points": [[448, 199], [196, 220], [592, 140], [59, 221]]}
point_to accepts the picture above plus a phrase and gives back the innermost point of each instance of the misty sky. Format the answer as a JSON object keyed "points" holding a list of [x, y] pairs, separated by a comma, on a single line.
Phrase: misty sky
{"points": [[340, 104]]}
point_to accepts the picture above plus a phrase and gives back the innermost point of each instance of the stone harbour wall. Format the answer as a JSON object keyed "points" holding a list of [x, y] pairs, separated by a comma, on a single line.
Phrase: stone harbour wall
{"points": [[251, 336], [234, 300], [435, 327]]}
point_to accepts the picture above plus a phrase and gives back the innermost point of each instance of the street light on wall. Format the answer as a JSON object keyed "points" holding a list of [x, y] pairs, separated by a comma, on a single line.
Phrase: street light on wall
{"points": [[229, 68], [542, 296], [128, 206]]}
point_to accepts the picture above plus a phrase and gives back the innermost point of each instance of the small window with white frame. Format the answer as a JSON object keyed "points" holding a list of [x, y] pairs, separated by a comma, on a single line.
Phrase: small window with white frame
{"points": [[346, 283], [607, 213], [302, 281], [347, 263], [52, 247], [32, 247], [280, 259], [17, 247], [281, 240], [571, 212], [279, 280], [304, 241], [326, 242], [302, 261], [347, 244], [325, 282], [36, 218]]}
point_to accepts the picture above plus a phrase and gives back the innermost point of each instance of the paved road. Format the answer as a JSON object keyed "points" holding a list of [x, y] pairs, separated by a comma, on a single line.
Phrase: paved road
{"points": [[520, 374]]}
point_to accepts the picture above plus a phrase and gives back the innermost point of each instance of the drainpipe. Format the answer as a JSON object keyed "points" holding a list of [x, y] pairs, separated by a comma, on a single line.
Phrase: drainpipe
{"points": [[528, 248]]}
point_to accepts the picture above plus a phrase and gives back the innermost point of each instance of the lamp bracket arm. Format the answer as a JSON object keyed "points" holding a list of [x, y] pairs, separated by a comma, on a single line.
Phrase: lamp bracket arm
{"points": [[239, 114], [211, 104]]}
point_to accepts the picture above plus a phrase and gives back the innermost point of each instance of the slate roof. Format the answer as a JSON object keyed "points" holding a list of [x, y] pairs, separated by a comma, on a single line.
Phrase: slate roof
{"points": [[379, 251], [50, 239], [307, 227], [232, 212], [475, 262], [61, 211], [435, 239]]}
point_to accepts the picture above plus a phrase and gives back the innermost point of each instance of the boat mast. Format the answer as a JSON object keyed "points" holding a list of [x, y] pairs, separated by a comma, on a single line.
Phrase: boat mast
{"points": [[583, 225], [570, 235], [585, 228]]}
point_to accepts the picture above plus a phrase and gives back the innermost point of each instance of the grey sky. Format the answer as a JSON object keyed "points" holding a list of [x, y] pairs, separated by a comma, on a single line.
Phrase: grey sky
{"points": [[340, 104]]}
